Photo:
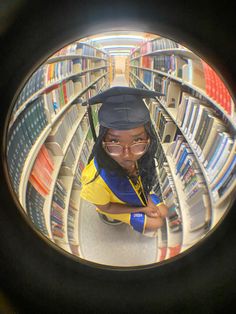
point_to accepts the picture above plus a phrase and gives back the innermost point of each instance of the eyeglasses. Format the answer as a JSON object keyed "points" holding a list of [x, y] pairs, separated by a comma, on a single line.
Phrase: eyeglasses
{"points": [[117, 149]]}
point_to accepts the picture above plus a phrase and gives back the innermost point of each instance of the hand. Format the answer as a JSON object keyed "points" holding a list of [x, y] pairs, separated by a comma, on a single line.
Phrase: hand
{"points": [[162, 208], [151, 209], [151, 212]]}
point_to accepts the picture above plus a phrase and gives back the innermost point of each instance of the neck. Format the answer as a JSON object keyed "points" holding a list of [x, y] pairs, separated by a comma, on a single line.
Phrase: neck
{"points": [[133, 171]]}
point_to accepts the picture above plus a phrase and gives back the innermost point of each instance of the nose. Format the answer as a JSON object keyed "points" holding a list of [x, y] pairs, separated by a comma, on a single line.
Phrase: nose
{"points": [[126, 151]]}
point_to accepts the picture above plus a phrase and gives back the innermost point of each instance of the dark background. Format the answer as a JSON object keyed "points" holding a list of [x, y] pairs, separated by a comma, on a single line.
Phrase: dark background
{"points": [[34, 276]]}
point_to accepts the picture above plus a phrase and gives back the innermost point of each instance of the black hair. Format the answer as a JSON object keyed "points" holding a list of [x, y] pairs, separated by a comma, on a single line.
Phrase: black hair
{"points": [[146, 164]]}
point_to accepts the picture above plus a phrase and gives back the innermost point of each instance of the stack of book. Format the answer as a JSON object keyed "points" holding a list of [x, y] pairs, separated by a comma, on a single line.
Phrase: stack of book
{"points": [[36, 82], [57, 211], [23, 134], [216, 89]]}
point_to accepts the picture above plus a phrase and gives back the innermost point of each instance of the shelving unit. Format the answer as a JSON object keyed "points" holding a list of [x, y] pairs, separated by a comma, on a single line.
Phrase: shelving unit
{"points": [[97, 83], [217, 207]]}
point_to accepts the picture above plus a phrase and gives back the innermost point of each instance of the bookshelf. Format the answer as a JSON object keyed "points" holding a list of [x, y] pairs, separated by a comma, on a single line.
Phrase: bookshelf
{"points": [[49, 134], [181, 76]]}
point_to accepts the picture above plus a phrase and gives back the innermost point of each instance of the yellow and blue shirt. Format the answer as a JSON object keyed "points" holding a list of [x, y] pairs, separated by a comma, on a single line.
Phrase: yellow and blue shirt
{"points": [[110, 188]]}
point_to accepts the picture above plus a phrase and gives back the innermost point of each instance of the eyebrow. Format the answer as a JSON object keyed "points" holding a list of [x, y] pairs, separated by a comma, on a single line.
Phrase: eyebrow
{"points": [[113, 135]]}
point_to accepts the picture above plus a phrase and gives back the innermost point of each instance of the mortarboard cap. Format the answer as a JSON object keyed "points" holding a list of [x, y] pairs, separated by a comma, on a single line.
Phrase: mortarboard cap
{"points": [[122, 107]]}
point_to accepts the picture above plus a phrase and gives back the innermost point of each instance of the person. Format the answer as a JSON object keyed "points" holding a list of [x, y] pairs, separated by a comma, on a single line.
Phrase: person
{"points": [[121, 173]]}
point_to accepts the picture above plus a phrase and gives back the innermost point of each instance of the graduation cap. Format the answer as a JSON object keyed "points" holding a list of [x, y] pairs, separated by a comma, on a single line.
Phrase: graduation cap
{"points": [[122, 107]]}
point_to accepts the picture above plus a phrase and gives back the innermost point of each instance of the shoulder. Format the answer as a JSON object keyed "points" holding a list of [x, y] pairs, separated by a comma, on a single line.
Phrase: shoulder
{"points": [[89, 172]]}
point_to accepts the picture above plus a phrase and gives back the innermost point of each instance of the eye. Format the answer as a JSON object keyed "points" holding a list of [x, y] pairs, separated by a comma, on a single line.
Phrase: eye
{"points": [[115, 141], [139, 139]]}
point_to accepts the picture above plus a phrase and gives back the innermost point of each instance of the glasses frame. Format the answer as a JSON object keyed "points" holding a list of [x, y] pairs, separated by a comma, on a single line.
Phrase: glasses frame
{"points": [[105, 144]]}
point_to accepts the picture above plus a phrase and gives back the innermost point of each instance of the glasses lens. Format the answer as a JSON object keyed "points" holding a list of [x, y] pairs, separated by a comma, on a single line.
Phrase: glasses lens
{"points": [[138, 148], [114, 149]]}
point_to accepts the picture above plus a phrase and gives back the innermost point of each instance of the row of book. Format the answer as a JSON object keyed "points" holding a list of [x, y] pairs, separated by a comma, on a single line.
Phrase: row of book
{"points": [[35, 209], [82, 162], [193, 182], [58, 137], [169, 195], [165, 126], [38, 188], [22, 136], [71, 220], [54, 73], [79, 48], [58, 96], [32, 86], [194, 186], [83, 64], [154, 45], [207, 133], [58, 211], [216, 89], [58, 70], [89, 51], [196, 72], [205, 130]]}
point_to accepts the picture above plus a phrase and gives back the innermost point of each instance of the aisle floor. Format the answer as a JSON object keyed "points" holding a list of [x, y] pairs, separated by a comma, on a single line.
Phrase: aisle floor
{"points": [[119, 80], [112, 245]]}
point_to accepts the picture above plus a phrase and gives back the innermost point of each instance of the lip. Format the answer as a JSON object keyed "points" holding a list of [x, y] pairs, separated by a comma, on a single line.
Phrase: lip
{"points": [[127, 163]]}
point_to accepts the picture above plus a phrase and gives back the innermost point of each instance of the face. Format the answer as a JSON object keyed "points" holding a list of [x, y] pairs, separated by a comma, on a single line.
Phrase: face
{"points": [[126, 138]]}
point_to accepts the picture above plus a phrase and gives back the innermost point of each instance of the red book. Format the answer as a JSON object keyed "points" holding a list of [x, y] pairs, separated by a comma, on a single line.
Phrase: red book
{"points": [[207, 78], [64, 92], [163, 253], [174, 250], [48, 158], [37, 184]]}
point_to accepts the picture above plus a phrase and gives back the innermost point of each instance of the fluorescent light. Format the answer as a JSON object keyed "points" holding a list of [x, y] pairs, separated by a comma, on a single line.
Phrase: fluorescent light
{"points": [[117, 36], [119, 54], [119, 51], [119, 46]]}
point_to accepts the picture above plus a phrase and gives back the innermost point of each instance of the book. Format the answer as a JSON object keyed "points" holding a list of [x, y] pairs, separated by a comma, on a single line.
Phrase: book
{"points": [[193, 73], [173, 94]]}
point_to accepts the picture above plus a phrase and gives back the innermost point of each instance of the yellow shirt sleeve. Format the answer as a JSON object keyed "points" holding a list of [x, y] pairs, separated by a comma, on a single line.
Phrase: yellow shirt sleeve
{"points": [[94, 192]]}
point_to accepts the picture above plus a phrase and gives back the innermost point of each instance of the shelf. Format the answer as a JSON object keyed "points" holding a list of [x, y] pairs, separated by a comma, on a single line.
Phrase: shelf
{"points": [[29, 164], [76, 195], [36, 147], [172, 112], [45, 88], [177, 51], [68, 182], [189, 238], [47, 205], [216, 208], [193, 87], [71, 57]]}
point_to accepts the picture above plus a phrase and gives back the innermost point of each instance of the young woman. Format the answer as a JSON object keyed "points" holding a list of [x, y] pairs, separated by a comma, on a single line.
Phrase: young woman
{"points": [[121, 174]]}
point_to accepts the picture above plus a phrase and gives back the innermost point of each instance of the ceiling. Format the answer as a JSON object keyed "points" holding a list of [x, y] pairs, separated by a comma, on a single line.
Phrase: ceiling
{"points": [[119, 42]]}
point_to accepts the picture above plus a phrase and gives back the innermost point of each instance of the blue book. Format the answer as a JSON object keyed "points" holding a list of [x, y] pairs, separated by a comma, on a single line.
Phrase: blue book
{"points": [[230, 169], [186, 151], [217, 152]]}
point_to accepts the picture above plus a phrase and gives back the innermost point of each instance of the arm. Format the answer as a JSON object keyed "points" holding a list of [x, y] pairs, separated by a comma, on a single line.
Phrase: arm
{"points": [[115, 208], [161, 208]]}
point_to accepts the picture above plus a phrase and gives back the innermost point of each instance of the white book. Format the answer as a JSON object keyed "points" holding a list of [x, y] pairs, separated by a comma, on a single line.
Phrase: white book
{"points": [[192, 139], [216, 169], [216, 128]]}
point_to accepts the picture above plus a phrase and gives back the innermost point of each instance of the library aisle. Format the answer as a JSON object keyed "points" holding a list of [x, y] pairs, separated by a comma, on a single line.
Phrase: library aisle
{"points": [[119, 80], [113, 245], [50, 141]]}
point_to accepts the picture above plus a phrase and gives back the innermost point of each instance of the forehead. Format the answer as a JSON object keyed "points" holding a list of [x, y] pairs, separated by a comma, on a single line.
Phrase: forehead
{"points": [[124, 133]]}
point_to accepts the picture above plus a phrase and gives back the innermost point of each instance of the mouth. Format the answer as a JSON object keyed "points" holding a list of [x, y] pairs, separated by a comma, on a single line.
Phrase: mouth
{"points": [[127, 163]]}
